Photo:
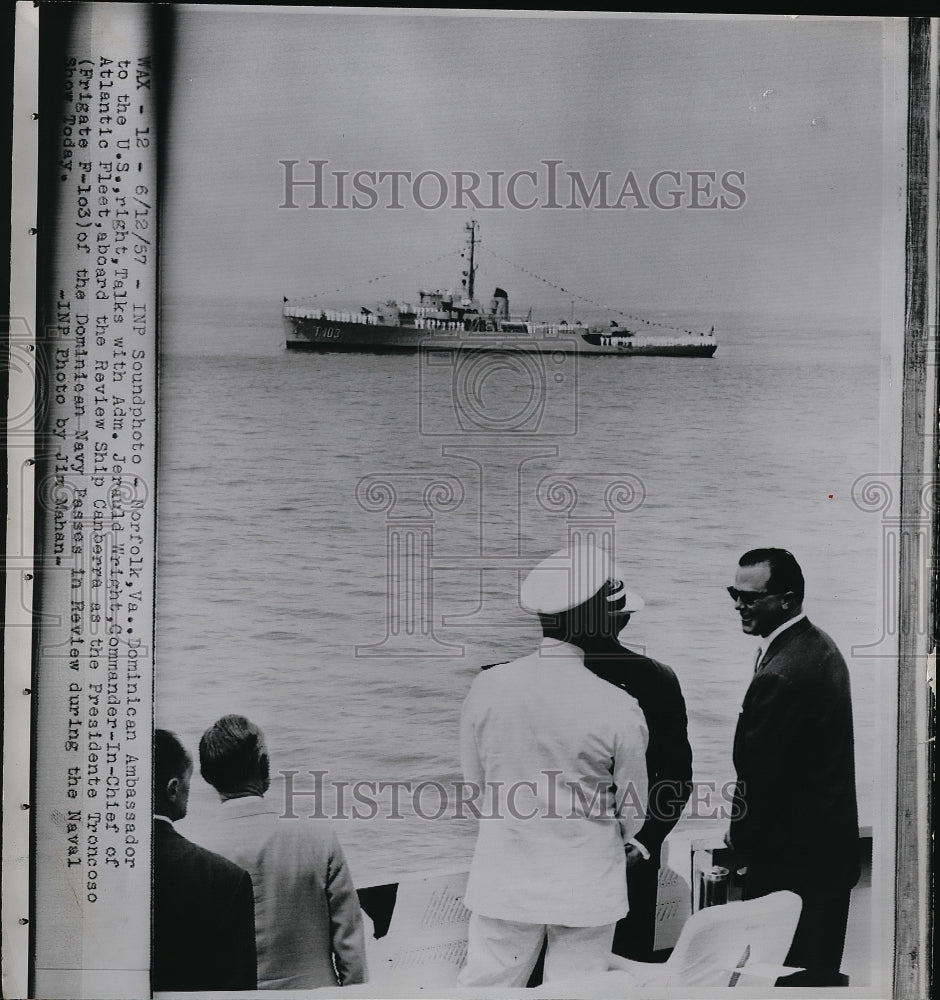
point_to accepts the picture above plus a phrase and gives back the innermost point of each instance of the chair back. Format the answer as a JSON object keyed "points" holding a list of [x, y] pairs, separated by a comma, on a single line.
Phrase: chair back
{"points": [[717, 941]]}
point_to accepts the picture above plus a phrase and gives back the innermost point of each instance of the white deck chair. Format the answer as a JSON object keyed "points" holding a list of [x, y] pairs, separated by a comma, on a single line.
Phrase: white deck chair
{"points": [[728, 945]]}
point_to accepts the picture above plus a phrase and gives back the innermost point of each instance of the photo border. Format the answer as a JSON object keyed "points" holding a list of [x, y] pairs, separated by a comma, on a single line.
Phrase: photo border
{"points": [[914, 868]]}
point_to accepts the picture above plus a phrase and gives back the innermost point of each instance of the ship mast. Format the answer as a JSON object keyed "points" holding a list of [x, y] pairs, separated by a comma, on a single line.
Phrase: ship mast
{"points": [[468, 276]]}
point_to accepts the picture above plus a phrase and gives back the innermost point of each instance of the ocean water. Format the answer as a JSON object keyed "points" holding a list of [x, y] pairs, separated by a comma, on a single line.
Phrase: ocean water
{"points": [[274, 564]]}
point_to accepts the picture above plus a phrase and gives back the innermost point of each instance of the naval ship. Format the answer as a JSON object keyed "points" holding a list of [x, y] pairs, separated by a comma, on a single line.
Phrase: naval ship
{"points": [[443, 321]]}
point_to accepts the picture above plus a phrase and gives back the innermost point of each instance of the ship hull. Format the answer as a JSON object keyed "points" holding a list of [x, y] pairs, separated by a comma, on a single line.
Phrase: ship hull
{"points": [[312, 333]]}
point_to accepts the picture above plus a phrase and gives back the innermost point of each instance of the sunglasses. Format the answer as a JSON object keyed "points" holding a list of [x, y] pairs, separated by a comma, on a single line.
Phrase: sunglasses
{"points": [[748, 597]]}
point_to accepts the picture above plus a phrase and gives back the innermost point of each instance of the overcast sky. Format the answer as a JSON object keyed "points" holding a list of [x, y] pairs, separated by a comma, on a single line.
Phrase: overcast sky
{"points": [[797, 107]]}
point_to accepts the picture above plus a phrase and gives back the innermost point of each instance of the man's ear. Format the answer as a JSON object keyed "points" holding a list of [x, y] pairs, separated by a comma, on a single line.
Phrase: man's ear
{"points": [[265, 763], [172, 789]]}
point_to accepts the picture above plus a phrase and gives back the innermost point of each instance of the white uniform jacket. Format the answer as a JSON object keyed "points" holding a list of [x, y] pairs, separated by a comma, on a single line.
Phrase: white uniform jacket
{"points": [[562, 754]]}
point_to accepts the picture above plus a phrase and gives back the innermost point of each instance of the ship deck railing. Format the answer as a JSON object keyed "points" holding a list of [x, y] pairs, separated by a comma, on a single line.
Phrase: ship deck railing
{"points": [[520, 328], [416, 926]]}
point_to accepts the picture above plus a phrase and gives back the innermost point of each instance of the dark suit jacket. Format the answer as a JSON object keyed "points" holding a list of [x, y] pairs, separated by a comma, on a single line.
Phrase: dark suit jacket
{"points": [[668, 754], [203, 918], [794, 752]]}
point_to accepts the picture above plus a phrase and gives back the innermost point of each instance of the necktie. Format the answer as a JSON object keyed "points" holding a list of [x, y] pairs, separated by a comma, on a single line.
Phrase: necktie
{"points": [[760, 653]]}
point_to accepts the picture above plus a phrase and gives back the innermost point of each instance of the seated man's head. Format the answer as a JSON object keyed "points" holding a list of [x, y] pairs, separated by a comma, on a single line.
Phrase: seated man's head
{"points": [[172, 770], [233, 758]]}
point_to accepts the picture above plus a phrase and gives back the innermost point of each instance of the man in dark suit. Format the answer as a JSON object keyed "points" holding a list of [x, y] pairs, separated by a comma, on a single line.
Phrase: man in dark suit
{"points": [[669, 773], [203, 906], [795, 817]]}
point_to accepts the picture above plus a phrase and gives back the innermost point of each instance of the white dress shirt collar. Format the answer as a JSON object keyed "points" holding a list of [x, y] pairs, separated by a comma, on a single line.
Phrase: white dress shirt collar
{"points": [[781, 628], [247, 805], [556, 648]]}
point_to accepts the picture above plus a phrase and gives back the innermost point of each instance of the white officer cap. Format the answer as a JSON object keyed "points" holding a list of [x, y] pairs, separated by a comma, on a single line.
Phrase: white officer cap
{"points": [[572, 576]]}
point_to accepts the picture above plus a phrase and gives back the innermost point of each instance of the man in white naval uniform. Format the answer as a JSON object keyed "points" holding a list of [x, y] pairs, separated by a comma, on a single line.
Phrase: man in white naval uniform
{"points": [[560, 756]]}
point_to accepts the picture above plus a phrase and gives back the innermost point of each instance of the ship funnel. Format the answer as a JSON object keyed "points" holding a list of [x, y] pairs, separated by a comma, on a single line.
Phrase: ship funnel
{"points": [[499, 305]]}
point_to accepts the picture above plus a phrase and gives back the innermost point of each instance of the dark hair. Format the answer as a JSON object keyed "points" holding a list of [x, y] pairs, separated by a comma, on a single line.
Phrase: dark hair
{"points": [[592, 619], [232, 754], [785, 572], [170, 759]]}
